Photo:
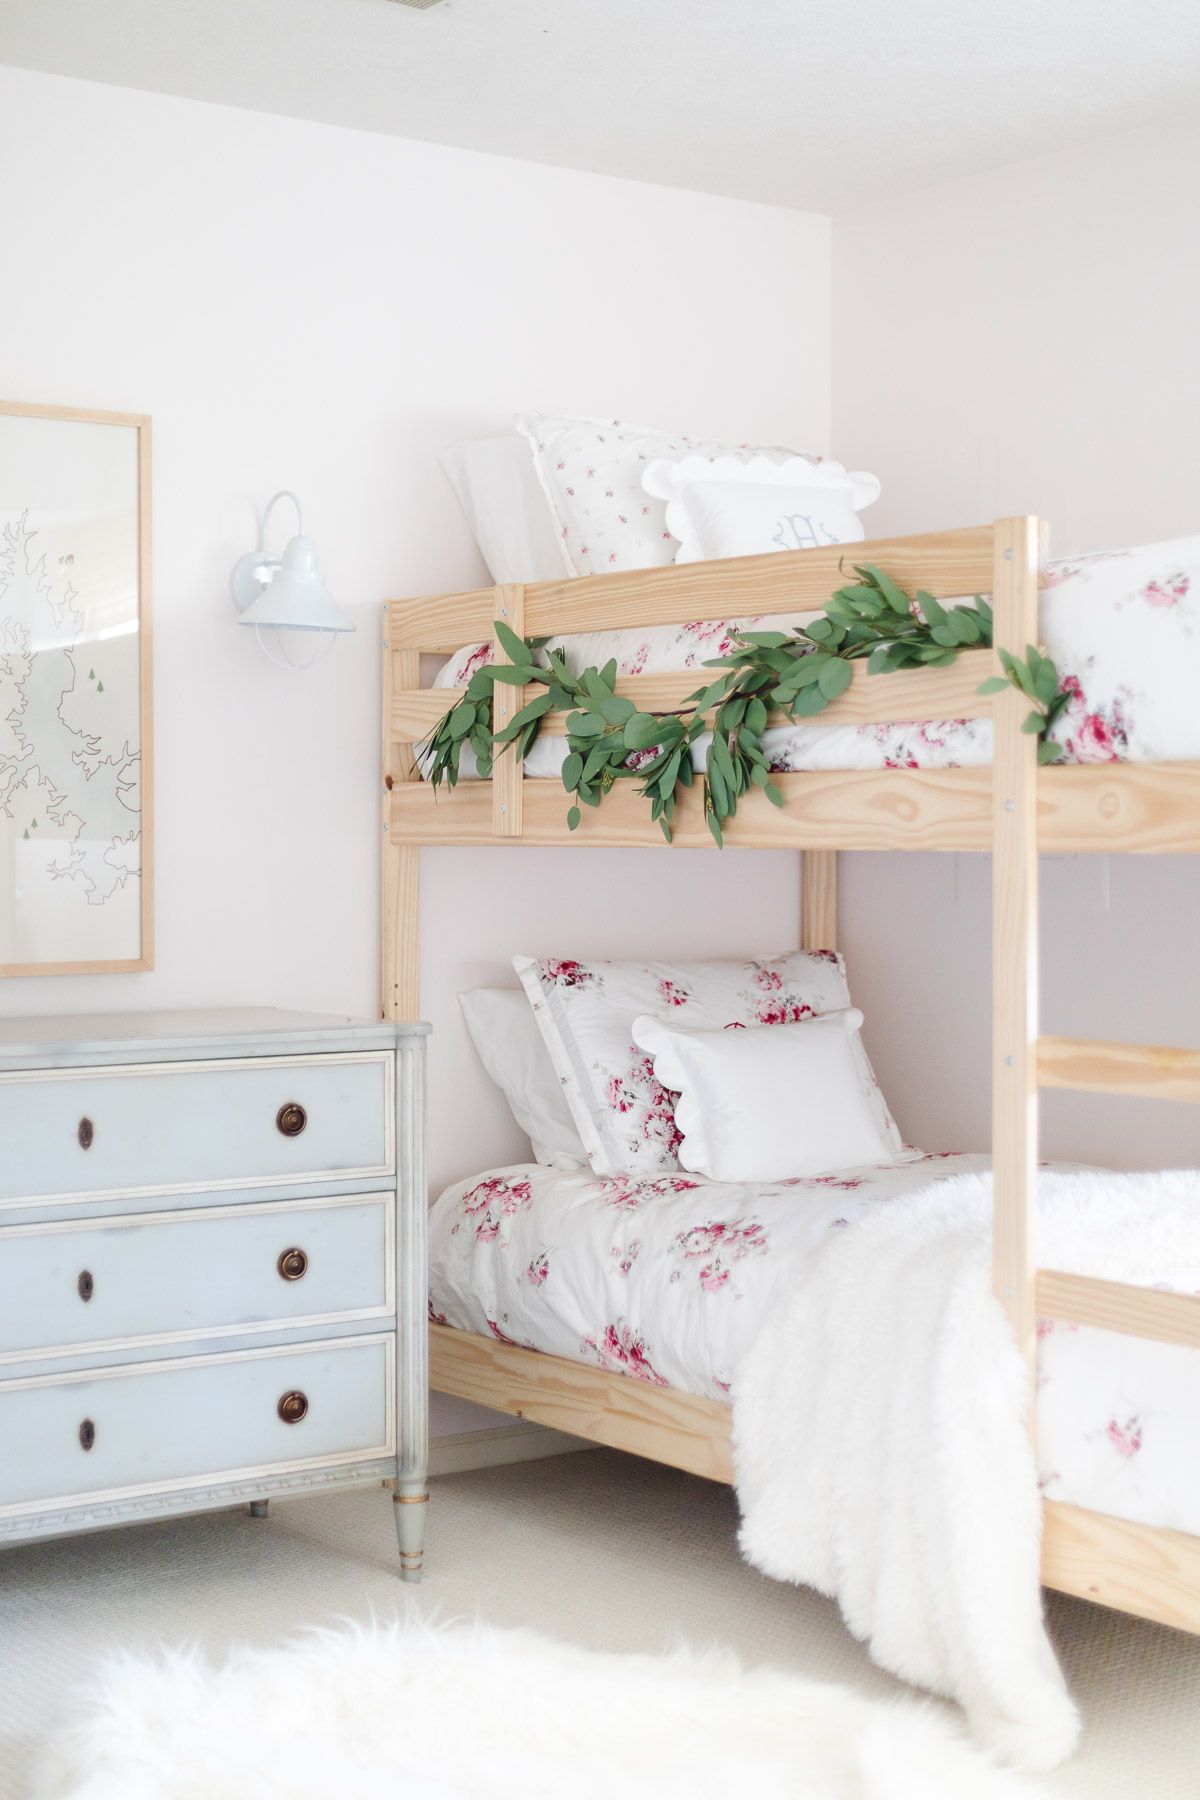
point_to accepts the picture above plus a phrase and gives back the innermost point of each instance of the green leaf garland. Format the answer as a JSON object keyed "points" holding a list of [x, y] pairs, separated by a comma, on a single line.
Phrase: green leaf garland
{"points": [[798, 674]]}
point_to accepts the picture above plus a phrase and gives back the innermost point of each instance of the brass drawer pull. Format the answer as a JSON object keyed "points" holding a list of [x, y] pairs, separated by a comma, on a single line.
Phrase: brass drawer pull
{"points": [[293, 1407], [86, 1134], [85, 1286], [293, 1264], [291, 1119], [87, 1434]]}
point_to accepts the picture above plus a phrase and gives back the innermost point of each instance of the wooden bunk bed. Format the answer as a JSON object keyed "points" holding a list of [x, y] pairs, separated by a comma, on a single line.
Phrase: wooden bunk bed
{"points": [[1015, 809]]}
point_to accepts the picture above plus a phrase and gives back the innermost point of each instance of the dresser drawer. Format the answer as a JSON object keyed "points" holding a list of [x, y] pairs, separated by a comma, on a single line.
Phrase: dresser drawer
{"points": [[179, 1424], [170, 1128], [186, 1274]]}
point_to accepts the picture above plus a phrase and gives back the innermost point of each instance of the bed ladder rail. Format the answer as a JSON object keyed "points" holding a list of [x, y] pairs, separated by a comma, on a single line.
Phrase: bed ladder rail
{"points": [[1142, 1071], [1143, 1312]]}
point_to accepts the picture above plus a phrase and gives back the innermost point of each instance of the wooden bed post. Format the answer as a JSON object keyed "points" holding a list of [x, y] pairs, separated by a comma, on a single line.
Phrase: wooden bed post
{"points": [[508, 774], [818, 900], [1018, 545], [400, 942]]}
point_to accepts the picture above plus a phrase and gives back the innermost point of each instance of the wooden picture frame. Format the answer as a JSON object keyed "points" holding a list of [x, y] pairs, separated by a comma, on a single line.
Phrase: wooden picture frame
{"points": [[76, 701]]}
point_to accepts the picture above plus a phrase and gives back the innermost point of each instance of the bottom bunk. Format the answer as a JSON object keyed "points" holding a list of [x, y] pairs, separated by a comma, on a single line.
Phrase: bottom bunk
{"points": [[619, 1310]]}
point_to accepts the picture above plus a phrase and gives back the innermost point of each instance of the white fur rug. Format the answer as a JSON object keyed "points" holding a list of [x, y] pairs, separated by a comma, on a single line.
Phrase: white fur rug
{"points": [[461, 1712]]}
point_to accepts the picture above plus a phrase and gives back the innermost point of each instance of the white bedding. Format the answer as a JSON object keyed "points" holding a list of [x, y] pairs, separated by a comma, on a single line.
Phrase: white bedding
{"points": [[668, 1280], [1121, 627]]}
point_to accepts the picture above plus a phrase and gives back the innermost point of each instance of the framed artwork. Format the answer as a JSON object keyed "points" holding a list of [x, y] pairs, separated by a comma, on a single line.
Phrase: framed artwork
{"points": [[76, 875]]}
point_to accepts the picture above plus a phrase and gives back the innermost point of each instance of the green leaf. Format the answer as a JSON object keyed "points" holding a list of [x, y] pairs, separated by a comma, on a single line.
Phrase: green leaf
{"points": [[572, 769], [585, 725], [995, 684], [617, 710], [773, 794], [808, 702], [766, 640], [461, 722], [896, 598], [515, 648], [573, 817], [511, 677], [835, 678], [714, 825], [756, 716], [642, 730], [1032, 724], [932, 610], [1048, 752]]}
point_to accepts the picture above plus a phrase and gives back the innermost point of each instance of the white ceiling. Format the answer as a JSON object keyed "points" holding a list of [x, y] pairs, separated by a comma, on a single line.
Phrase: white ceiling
{"points": [[811, 103]]}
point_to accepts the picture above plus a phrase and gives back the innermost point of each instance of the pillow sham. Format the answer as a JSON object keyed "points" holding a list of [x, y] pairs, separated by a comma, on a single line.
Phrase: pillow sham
{"points": [[591, 475], [499, 491], [511, 1049], [624, 1115], [733, 506], [771, 1102]]}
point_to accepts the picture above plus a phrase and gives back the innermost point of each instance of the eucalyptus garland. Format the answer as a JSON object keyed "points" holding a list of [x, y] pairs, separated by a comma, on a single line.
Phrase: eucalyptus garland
{"points": [[796, 674]]}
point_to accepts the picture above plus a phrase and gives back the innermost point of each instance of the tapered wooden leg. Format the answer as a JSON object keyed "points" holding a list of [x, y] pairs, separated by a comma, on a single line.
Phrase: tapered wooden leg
{"points": [[409, 1504], [258, 1509]]}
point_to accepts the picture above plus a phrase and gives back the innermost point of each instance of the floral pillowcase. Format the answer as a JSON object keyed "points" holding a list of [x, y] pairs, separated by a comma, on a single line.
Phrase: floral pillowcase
{"points": [[585, 1012]]}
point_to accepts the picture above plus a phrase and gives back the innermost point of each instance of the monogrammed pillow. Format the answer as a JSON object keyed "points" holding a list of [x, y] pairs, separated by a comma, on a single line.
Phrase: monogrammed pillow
{"points": [[586, 1011]]}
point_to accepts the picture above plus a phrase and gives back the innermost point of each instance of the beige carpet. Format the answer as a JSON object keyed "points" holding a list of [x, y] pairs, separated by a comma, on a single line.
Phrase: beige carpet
{"points": [[599, 1548]]}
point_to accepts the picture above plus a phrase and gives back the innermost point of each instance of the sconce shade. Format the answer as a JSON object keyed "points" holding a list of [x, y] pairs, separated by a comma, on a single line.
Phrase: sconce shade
{"points": [[297, 598]]}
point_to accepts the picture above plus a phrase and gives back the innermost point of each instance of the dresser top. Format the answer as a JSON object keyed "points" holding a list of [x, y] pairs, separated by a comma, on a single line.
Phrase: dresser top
{"points": [[108, 1036]]}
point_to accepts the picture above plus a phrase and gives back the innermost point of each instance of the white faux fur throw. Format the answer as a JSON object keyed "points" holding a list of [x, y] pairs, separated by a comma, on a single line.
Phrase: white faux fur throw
{"points": [[880, 1442], [416, 1712]]}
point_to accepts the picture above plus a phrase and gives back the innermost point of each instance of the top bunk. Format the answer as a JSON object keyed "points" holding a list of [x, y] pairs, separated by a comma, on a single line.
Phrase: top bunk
{"points": [[1146, 806]]}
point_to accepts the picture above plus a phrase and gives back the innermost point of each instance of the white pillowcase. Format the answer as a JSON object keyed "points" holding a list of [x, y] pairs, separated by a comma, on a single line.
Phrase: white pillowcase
{"points": [[771, 1102], [499, 491], [624, 1113], [737, 506], [506, 1035], [591, 475]]}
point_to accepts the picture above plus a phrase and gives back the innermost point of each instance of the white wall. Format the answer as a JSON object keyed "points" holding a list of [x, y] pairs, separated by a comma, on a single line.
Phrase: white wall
{"points": [[1026, 341], [298, 305]]}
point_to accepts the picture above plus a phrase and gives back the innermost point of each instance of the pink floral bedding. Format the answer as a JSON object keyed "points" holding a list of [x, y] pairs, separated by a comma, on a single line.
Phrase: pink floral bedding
{"points": [[665, 1280], [1121, 626]]}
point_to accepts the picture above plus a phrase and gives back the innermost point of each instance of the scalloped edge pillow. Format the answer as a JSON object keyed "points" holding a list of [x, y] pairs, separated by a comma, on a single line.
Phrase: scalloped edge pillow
{"points": [[719, 506], [773, 1102]]}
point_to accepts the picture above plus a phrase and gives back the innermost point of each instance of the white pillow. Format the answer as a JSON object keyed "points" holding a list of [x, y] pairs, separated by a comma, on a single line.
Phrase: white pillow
{"points": [[505, 1033], [736, 506], [769, 1103], [499, 491], [591, 474], [624, 1114]]}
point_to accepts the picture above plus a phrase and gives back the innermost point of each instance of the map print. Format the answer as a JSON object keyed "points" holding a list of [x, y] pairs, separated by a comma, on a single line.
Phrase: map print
{"points": [[70, 789]]}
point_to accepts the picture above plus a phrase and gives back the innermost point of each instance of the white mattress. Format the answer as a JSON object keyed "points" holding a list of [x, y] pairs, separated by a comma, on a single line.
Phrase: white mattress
{"points": [[666, 1280], [1122, 627]]}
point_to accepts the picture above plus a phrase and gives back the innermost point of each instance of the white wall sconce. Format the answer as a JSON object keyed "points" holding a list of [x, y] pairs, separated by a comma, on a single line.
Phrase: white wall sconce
{"points": [[285, 598]]}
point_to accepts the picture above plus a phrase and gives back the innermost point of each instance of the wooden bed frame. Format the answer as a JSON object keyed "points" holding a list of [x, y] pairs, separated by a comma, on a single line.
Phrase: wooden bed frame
{"points": [[1013, 809]]}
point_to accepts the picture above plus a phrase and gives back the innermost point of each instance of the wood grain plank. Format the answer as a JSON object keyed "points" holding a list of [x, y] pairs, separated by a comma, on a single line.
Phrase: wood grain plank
{"points": [[1118, 1306], [1015, 943], [685, 1431], [1143, 1569], [947, 564], [1143, 1071]]}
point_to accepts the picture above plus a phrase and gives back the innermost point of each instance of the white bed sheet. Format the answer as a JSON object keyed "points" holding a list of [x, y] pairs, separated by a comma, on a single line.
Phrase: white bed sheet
{"points": [[1122, 626], [666, 1281]]}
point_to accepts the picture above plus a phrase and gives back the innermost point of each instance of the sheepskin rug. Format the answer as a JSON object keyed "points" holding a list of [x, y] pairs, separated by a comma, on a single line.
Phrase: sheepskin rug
{"points": [[464, 1712]]}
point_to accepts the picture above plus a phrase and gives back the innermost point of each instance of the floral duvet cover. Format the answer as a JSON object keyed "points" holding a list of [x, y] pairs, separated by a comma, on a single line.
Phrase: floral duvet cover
{"points": [[665, 1280], [1123, 627]]}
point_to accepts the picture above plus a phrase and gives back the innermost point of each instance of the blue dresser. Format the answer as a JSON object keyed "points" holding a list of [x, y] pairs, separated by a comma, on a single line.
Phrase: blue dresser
{"points": [[212, 1266]]}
